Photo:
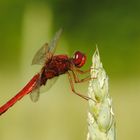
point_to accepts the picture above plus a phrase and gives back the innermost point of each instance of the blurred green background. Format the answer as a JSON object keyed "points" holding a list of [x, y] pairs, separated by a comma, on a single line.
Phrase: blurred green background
{"points": [[26, 25]]}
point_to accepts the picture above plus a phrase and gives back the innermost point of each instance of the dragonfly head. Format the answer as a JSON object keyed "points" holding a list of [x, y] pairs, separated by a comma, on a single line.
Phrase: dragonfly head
{"points": [[79, 59]]}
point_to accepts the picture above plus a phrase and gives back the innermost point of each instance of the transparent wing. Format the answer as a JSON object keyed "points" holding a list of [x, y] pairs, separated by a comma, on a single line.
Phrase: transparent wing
{"points": [[40, 56], [49, 84], [35, 94], [52, 45], [45, 53]]}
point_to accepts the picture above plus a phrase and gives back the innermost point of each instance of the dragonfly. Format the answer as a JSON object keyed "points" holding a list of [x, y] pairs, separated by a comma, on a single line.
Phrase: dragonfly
{"points": [[52, 66]]}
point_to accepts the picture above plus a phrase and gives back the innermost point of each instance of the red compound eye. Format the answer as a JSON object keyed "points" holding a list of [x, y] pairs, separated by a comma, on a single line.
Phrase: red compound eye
{"points": [[79, 59]]}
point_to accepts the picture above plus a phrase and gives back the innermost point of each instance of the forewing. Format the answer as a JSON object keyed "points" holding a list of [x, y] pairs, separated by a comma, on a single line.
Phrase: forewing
{"points": [[45, 53], [40, 56], [52, 45]]}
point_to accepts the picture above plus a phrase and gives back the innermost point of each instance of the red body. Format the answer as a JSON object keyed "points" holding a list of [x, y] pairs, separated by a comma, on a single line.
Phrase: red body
{"points": [[59, 64], [52, 66]]}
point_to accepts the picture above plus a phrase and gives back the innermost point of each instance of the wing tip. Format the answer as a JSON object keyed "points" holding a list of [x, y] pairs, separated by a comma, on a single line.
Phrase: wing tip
{"points": [[59, 32]]}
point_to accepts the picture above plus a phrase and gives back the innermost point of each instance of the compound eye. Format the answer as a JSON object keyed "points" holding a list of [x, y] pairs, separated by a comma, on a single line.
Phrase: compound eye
{"points": [[76, 56], [79, 59]]}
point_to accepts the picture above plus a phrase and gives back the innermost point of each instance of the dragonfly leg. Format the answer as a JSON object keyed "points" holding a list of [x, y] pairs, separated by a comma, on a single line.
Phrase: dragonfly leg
{"points": [[76, 78], [85, 71], [81, 71], [72, 87]]}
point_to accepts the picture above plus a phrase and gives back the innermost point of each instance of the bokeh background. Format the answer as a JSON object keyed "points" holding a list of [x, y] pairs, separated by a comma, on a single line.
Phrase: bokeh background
{"points": [[26, 25]]}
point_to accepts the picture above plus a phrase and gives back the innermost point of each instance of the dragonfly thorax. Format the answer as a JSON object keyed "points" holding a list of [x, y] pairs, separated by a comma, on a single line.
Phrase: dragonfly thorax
{"points": [[58, 65]]}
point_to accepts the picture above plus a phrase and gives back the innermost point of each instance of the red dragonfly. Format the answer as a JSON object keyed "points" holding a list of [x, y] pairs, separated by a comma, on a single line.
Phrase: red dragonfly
{"points": [[52, 66]]}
